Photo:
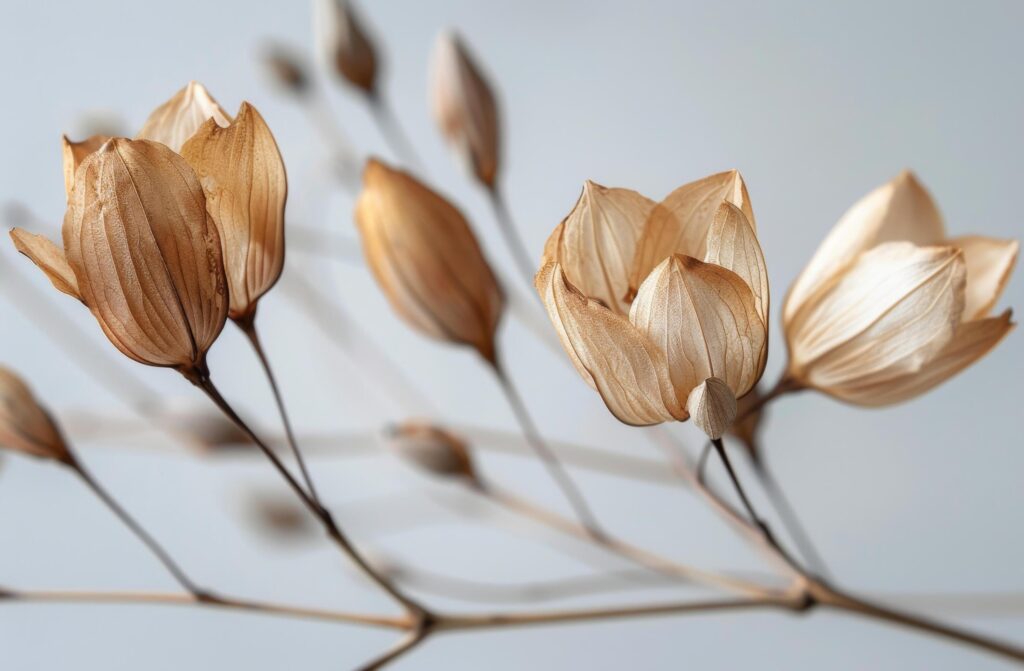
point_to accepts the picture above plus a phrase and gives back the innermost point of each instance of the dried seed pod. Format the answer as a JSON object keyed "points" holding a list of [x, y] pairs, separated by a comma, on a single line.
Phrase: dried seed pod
{"points": [[175, 121], [344, 44], [433, 449], [712, 406], [286, 69], [75, 153], [24, 425]]}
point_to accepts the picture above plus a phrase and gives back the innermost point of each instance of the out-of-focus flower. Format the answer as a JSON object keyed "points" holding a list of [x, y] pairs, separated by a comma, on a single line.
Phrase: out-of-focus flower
{"points": [[693, 329], [175, 121], [889, 307], [286, 68], [24, 425], [465, 108], [141, 252], [243, 177], [433, 449], [344, 45], [426, 260]]}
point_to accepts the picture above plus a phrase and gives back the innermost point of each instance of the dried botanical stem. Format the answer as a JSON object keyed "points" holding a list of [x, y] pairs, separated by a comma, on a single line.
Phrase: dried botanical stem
{"points": [[404, 645], [391, 129], [785, 385], [790, 520], [513, 240]]}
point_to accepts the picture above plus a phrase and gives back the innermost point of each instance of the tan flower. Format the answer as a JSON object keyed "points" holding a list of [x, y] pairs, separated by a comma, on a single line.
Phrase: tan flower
{"points": [[24, 425], [426, 260], [75, 153], [889, 307], [344, 44], [243, 177], [695, 327], [464, 107], [433, 449], [175, 121], [141, 252]]}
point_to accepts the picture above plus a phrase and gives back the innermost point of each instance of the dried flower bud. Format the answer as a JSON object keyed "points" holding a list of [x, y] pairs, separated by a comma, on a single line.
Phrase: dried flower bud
{"points": [[465, 108], [282, 517], [175, 121], [712, 406], [74, 154], [286, 69], [344, 44], [243, 177], [426, 260], [24, 425], [433, 449]]}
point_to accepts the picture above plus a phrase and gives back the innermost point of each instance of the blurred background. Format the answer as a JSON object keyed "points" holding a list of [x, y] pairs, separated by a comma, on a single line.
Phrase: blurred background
{"points": [[816, 103]]}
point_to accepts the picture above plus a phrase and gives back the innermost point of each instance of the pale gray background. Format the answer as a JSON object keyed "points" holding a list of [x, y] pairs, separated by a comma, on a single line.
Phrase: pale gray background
{"points": [[815, 102]]}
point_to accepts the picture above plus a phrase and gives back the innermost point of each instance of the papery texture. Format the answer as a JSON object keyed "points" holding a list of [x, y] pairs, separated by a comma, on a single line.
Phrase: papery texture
{"points": [[989, 263], [712, 407], [175, 121], [49, 258], [24, 425], [74, 153]]}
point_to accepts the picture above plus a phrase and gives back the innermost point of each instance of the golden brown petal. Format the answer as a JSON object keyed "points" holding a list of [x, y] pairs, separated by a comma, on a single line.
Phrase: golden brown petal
{"points": [[627, 370], [50, 259], [75, 153], [433, 449], [427, 260], [146, 254], [243, 176], [989, 263], [175, 121], [24, 425], [344, 44], [712, 407], [733, 244]]}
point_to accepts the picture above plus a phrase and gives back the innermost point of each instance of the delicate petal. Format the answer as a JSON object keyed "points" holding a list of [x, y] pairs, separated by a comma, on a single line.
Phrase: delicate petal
{"points": [[243, 177], [733, 244], [596, 242], [24, 425], [433, 449], [174, 122], [703, 318], [989, 264], [75, 153], [712, 407], [344, 44], [50, 259], [902, 209], [680, 223], [611, 355], [888, 315]]}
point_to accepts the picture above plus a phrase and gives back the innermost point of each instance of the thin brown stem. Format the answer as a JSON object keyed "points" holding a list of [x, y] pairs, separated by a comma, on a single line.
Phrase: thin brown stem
{"points": [[785, 385], [513, 240], [404, 645], [790, 519], [391, 129]]}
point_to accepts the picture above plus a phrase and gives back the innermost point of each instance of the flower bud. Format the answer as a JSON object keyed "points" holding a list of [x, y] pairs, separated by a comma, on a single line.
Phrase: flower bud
{"points": [[712, 407], [286, 69], [344, 45], [24, 425], [432, 449], [175, 121]]}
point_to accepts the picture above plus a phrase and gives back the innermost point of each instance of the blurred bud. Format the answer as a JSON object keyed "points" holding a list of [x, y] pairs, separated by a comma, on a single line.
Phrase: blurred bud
{"points": [[465, 108], [426, 260], [433, 449], [278, 516], [286, 69], [24, 425], [174, 122], [344, 45]]}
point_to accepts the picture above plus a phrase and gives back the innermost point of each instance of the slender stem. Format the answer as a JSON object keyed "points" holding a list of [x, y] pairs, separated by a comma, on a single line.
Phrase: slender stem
{"points": [[513, 240], [248, 327], [785, 385], [790, 520], [541, 448], [702, 461], [137, 529], [404, 645], [391, 129]]}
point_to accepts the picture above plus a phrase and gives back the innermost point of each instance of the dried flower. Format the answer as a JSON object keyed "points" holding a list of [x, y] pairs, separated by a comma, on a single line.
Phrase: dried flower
{"points": [[889, 307], [692, 330], [175, 121], [344, 44], [24, 425], [74, 154], [433, 449], [287, 69], [426, 260], [243, 177], [141, 253], [464, 107]]}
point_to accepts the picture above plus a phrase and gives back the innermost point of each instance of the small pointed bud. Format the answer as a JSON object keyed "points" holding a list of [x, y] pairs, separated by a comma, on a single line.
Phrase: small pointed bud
{"points": [[433, 449], [286, 69], [712, 406], [24, 425], [281, 517], [175, 121], [344, 44]]}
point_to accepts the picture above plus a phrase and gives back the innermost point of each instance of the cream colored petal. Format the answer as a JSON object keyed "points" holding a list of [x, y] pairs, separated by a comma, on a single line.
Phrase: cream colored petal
{"points": [[732, 243], [892, 312], [628, 372], [680, 223], [972, 341], [712, 407], [75, 153], [175, 121], [900, 210], [989, 264], [344, 45], [598, 239], [243, 177], [24, 425], [703, 318], [50, 259]]}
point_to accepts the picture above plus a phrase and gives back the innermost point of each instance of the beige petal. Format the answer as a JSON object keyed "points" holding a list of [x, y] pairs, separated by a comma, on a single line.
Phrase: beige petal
{"points": [[24, 425], [611, 355], [75, 153], [465, 108], [680, 223], [596, 242], [50, 259], [703, 318], [712, 407], [732, 243], [433, 449], [175, 121], [900, 210], [889, 315], [243, 176], [989, 264], [146, 254], [344, 44]]}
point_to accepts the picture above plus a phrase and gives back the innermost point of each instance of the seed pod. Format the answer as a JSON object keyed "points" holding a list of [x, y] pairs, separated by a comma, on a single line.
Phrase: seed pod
{"points": [[433, 449], [344, 45], [175, 121], [24, 425], [286, 69]]}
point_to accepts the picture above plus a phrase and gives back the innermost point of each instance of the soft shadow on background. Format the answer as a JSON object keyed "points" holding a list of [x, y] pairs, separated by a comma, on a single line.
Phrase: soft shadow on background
{"points": [[814, 102]]}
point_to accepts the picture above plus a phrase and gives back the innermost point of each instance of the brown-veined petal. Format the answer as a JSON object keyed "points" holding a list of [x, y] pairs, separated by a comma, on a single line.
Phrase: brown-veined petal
{"points": [[712, 407], [627, 370], [703, 318], [732, 243], [243, 176], [344, 45], [901, 209], [74, 153], [50, 259], [24, 425], [680, 223], [175, 121], [989, 263]]}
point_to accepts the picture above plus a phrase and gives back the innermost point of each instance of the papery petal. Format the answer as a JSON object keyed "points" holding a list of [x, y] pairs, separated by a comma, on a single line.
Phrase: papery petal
{"points": [[989, 263], [50, 259], [24, 425], [732, 243], [900, 210], [611, 355], [703, 318], [175, 121], [75, 153], [712, 407], [680, 223]]}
